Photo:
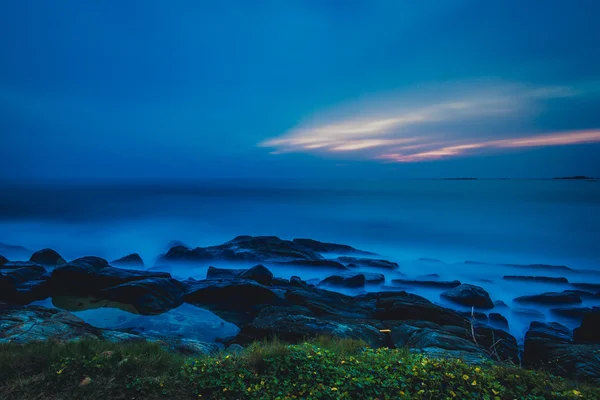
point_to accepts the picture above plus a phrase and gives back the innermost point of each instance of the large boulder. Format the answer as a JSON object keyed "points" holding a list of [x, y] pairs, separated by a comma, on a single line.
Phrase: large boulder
{"points": [[551, 298], [259, 273], [550, 346], [82, 278], [589, 331], [345, 280], [469, 295], [368, 262], [23, 284], [426, 283], [148, 296], [322, 247], [47, 257], [237, 301], [295, 324], [132, 260], [545, 279], [407, 306], [245, 248], [498, 319], [223, 273]]}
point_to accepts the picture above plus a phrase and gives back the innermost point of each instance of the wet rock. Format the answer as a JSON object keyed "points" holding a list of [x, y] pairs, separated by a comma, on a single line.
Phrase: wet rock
{"points": [[476, 315], [545, 279], [332, 264], [295, 324], [368, 262], [589, 286], [574, 312], [81, 278], [245, 248], [549, 346], [236, 301], [133, 259], [96, 263], [529, 313], [148, 296], [499, 320], [345, 280], [223, 273], [3, 260], [408, 306], [258, 273], [296, 281], [427, 283], [324, 302], [499, 303], [551, 298], [47, 257], [22, 285], [588, 332], [469, 295], [322, 247]]}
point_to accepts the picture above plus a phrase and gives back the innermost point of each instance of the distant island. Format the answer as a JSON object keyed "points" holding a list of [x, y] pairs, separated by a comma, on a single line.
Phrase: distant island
{"points": [[577, 177]]}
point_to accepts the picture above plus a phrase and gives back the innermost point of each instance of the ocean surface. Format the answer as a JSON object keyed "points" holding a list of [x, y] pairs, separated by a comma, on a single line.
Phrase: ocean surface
{"points": [[451, 221]]}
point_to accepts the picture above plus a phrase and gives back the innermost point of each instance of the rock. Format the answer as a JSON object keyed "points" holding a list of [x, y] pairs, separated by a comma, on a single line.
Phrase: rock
{"points": [[551, 298], [133, 259], [258, 273], [23, 274], [21, 264], [499, 344], [373, 277], [323, 302], [528, 312], [47, 257], [588, 332], [22, 285], [223, 273], [368, 262], [245, 248], [499, 320], [3, 260], [434, 284], [148, 296], [80, 278], [499, 303], [96, 263], [407, 306], [535, 279], [590, 286], [161, 268], [321, 247], [236, 301], [574, 312], [549, 346], [316, 264], [296, 281], [477, 316], [469, 295], [431, 277], [295, 324], [345, 280]]}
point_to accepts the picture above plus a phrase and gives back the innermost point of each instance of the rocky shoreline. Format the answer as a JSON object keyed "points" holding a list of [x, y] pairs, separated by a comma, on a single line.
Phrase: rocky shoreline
{"points": [[262, 305]]}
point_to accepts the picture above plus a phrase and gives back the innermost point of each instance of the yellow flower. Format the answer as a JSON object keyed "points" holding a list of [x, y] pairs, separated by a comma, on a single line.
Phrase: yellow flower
{"points": [[421, 391], [402, 393], [249, 389], [452, 393], [334, 389], [343, 361], [224, 389], [227, 357], [474, 383], [477, 369], [466, 377], [59, 371], [576, 392], [162, 384], [262, 382]]}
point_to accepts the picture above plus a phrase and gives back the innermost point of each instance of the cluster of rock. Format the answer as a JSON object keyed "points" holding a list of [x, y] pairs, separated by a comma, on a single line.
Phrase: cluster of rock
{"points": [[264, 306]]}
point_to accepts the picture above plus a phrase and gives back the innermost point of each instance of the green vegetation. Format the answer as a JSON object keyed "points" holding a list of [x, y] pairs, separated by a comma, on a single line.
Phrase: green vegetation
{"points": [[321, 369]]}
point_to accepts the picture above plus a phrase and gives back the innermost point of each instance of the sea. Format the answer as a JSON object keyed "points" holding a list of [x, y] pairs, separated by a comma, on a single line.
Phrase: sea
{"points": [[427, 226]]}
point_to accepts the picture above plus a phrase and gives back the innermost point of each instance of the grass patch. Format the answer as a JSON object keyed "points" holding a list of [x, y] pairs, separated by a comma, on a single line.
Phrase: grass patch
{"points": [[324, 368]]}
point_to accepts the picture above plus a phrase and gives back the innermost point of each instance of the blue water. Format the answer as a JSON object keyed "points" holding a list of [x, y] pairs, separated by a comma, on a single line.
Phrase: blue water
{"points": [[496, 221]]}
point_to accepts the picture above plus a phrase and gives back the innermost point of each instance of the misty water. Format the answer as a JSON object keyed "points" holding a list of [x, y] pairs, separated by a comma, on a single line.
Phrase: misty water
{"points": [[427, 226]]}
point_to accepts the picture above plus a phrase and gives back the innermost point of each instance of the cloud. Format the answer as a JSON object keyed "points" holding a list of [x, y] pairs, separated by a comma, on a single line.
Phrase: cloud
{"points": [[434, 122]]}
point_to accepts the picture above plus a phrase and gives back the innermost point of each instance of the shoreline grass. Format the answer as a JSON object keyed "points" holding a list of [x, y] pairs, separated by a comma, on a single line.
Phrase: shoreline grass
{"points": [[323, 368]]}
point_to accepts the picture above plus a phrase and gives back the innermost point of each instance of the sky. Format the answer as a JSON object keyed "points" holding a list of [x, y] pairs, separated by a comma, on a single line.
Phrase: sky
{"points": [[184, 90]]}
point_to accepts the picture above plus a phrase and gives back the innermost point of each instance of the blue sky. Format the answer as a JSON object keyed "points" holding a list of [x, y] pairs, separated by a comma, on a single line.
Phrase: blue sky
{"points": [[304, 89]]}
